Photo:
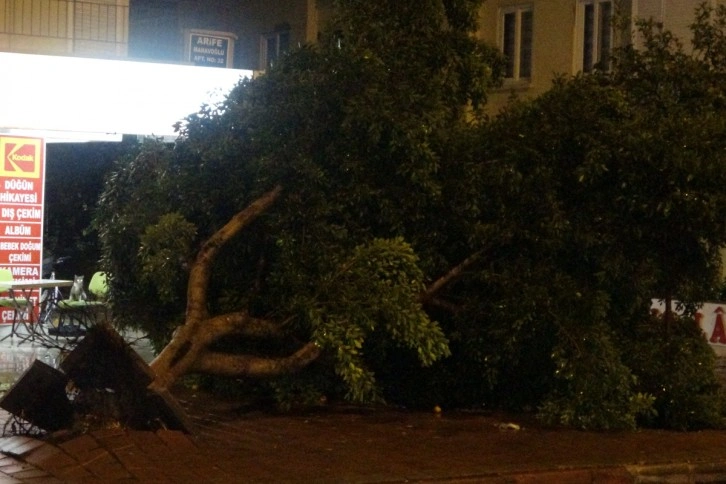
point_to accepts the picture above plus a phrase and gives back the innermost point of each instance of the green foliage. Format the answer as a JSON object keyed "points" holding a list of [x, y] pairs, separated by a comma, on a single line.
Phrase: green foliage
{"points": [[342, 257], [137, 193], [552, 225], [296, 392], [595, 389], [375, 289], [674, 363], [166, 248], [612, 188]]}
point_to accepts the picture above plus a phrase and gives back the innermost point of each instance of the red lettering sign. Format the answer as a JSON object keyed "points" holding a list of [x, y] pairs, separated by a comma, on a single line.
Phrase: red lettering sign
{"points": [[22, 175], [719, 332]]}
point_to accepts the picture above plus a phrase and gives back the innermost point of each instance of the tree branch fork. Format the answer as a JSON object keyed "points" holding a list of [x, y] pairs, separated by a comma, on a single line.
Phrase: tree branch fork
{"points": [[191, 348]]}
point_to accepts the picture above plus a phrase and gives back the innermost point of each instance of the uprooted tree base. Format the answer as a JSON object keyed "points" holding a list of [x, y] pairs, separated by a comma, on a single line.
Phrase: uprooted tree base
{"points": [[101, 383]]}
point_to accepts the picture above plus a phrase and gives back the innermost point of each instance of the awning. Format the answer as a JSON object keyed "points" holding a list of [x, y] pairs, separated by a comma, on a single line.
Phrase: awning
{"points": [[78, 99]]}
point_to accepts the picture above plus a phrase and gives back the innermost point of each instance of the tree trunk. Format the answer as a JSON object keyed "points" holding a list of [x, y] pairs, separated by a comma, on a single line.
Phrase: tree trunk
{"points": [[189, 349]]}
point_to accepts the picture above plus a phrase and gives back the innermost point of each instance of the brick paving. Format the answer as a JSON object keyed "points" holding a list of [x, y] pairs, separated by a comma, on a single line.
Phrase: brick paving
{"points": [[362, 447], [359, 446], [356, 445], [100, 457]]}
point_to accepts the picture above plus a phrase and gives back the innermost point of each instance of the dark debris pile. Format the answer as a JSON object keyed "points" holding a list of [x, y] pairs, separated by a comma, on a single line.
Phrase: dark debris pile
{"points": [[101, 383]]}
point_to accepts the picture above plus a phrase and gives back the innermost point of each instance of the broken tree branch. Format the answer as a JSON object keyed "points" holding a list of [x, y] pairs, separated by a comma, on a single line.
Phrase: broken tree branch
{"points": [[454, 273], [238, 323], [253, 366], [200, 273]]}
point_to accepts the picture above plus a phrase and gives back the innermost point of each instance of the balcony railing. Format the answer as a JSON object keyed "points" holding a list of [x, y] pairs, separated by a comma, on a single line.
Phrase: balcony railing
{"points": [[94, 21]]}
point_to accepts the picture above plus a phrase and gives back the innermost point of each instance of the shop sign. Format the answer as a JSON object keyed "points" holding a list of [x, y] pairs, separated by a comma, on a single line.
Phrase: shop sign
{"points": [[210, 49], [22, 178]]}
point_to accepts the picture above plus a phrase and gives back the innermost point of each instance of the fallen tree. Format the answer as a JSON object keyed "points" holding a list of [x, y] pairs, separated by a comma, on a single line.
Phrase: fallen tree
{"points": [[290, 226], [342, 219], [190, 349]]}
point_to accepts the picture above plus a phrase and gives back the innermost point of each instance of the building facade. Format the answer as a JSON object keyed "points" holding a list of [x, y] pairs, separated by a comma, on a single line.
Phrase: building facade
{"points": [[92, 28], [545, 38], [73, 79], [540, 38], [253, 32], [262, 29]]}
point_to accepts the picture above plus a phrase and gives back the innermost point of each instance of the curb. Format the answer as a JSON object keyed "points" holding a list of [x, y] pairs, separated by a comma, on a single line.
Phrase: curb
{"points": [[676, 473], [680, 472]]}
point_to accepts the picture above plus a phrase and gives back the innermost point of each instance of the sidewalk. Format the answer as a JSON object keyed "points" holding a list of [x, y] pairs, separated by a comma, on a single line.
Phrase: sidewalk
{"points": [[349, 445], [335, 444]]}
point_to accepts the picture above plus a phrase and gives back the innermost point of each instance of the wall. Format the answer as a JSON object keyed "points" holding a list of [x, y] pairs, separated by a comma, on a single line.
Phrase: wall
{"points": [[266, 16], [157, 26], [555, 36], [93, 28], [552, 49]]}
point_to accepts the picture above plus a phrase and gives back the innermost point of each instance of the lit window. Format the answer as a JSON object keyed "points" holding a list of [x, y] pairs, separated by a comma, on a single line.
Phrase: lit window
{"points": [[596, 18], [516, 42]]}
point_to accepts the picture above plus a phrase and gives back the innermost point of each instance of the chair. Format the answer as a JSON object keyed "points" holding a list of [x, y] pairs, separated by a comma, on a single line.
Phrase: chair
{"points": [[6, 278], [98, 287], [83, 312], [21, 306]]}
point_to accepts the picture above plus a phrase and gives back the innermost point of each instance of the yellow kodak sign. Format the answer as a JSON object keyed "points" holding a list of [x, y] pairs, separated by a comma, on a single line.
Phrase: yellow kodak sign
{"points": [[21, 157]]}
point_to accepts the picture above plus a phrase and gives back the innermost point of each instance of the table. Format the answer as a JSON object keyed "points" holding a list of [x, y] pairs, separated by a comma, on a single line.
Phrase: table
{"points": [[25, 312]]}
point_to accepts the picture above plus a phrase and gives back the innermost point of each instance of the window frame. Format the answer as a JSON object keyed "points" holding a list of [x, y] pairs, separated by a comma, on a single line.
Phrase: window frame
{"points": [[520, 41], [273, 38], [595, 34]]}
